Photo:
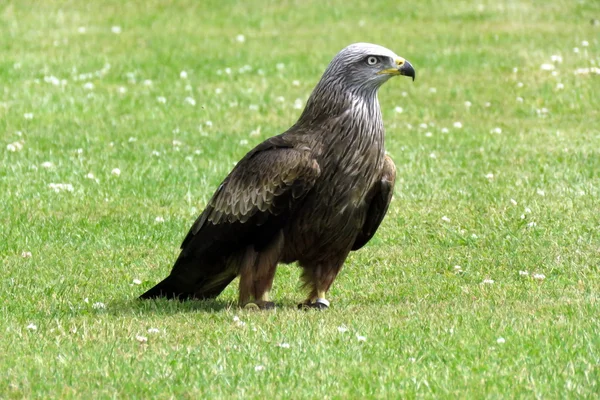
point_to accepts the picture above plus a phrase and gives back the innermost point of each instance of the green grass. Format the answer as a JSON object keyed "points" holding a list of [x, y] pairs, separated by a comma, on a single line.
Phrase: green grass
{"points": [[430, 332]]}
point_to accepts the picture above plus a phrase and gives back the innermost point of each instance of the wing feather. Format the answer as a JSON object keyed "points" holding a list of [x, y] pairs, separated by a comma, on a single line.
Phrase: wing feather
{"points": [[255, 199], [381, 197]]}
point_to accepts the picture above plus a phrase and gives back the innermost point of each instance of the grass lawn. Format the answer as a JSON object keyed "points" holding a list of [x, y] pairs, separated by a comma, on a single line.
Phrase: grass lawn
{"points": [[119, 119]]}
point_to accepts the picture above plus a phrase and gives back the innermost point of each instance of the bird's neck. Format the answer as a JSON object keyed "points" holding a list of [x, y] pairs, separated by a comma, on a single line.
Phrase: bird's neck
{"points": [[333, 102]]}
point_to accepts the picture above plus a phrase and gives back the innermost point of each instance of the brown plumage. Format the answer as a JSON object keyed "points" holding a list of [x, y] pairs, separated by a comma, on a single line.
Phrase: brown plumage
{"points": [[310, 195]]}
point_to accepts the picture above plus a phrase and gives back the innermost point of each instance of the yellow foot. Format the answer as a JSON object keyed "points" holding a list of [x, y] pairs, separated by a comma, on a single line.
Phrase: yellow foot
{"points": [[318, 304], [259, 305]]}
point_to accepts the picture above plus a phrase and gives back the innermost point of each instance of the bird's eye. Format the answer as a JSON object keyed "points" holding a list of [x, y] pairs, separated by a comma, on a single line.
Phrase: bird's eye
{"points": [[372, 60]]}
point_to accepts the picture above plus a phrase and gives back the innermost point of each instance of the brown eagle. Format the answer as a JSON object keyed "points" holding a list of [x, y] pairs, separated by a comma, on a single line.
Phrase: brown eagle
{"points": [[311, 194]]}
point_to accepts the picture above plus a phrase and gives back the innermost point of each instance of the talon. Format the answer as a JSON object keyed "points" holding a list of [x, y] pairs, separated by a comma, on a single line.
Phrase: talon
{"points": [[322, 303], [251, 307], [319, 304], [260, 305]]}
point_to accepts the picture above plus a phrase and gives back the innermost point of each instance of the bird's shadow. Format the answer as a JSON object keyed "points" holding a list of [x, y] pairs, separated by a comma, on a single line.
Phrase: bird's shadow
{"points": [[171, 307], [168, 307]]}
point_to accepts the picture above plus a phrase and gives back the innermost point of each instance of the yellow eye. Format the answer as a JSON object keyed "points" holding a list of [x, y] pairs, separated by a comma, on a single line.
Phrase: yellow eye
{"points": [[372, 60]]}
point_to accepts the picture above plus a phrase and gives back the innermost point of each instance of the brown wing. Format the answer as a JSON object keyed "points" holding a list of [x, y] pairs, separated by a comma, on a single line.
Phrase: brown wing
{"points": [[381, 196], [256, 199]]}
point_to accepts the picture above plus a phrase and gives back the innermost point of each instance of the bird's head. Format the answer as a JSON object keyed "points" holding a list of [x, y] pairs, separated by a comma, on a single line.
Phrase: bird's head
{"points": [[368, 65]]}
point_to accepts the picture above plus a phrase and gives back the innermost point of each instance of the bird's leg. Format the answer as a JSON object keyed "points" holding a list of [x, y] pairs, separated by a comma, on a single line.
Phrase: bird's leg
{"points": [[262, 274], [318, 279]]}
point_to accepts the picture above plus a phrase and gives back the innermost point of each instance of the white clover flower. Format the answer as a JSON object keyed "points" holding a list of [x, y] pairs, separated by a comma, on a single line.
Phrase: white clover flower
{"points": [[468, 104], [527, 210], [490, 176], [298, 103], [253, 107], [243, 142], [457, 268], [88, 86], [496, 130], [26, 254], [14, 147], [141, 339], [188, 88], [259, 368], [519, 84], [585, 43], [540, 192], [238, 322], [89, 175], [81, 29], [176, 143], [147, 82], [432, 90], [155, 153], [280, 99], [432, 155], [218, 90], [255, 132], [428, 134], [488, 281], [531, 224], [556, 58], [457, 125], [208, 123], [159, 219], [99, 306], [228, 71], [31, 327], [500, 340], [183, 75], [47, 165], [423, 126], [28, 116], [523, 273], [361, 338], [445, 219], [445, 130], [153, 330], [295, 83], [190, 101], [487, 104], [116, 172], [136, 282], [560, 86], [547, 67], [539, 277], [519, 99], [284, 345], [342, 329], [513, 202], [61, 187], [161, 99], [116, 29], [280, 66], [122, 90], [398, 110], [240, 38]]}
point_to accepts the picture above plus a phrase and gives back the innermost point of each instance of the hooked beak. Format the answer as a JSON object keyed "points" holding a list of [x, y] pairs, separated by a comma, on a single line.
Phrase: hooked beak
{"points": [[406, 69], [403, 67]]}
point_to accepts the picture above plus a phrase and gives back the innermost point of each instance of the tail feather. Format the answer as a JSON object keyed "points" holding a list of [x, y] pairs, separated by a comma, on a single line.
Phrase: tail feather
{"points": [[188, 280]]}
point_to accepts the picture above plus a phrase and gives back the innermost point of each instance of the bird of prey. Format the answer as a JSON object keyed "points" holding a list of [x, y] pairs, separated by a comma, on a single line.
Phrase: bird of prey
{"points": [[309, 195]]}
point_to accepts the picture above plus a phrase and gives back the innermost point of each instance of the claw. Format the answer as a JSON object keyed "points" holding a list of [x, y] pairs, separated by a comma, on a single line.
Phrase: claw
{"points": [[259, 305], [319, 304]]}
